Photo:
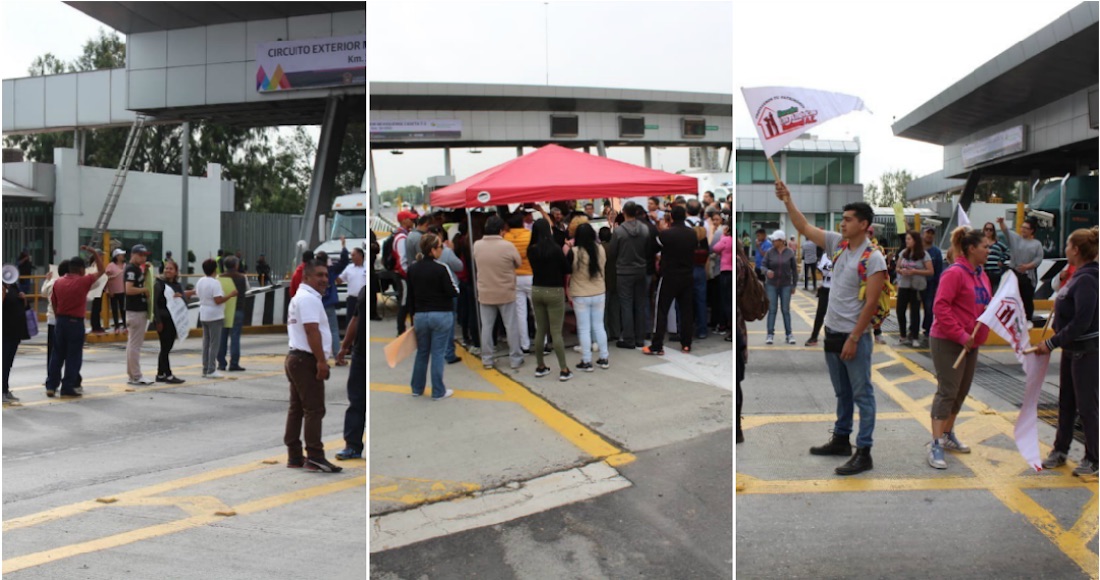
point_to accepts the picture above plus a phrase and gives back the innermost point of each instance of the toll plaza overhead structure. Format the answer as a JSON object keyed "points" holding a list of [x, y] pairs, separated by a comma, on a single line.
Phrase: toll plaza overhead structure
{"points": [[408, 115], [247, 64], [1029, 113]]}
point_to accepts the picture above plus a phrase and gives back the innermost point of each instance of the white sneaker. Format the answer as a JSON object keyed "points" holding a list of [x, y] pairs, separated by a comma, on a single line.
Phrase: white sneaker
{"points": [[145, 381], [577, 348], [790, 339], [446, 395], [215, 375], [770, 339], [916, 343]]}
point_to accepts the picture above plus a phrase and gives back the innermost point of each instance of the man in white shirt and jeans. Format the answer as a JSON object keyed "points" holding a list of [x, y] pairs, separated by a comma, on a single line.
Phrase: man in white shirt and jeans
{"points": [[355, 276], [307, 369]]}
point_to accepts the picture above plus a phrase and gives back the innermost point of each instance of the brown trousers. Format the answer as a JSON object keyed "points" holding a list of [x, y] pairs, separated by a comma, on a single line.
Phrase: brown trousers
{"points": [[307, 402]]}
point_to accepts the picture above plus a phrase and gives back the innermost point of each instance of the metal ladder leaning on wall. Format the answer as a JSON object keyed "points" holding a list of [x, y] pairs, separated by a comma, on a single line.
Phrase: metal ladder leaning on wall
{"points": [[115, 192]]}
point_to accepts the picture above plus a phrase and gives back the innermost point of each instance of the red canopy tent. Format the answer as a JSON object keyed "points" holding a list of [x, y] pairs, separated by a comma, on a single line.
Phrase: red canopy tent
{"points": [[555, 173]]}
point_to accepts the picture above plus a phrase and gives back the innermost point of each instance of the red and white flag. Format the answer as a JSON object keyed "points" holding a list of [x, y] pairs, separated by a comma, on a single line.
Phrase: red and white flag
{"points": [[1005, 315], [781, 114]]}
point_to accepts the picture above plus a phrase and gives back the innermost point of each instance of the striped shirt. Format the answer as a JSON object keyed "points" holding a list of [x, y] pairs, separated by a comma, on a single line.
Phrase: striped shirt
{"points": [[998, 253]]}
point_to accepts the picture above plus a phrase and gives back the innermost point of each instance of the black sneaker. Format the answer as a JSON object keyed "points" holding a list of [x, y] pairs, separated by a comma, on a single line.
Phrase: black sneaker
{"points": [[565, 375], [10, 398], [542, 372], [603, 363], [235, 368], [625, 344], [174, 380], [296, 463], [585, 366], [70, 394], [322, 465], [162, 378]]}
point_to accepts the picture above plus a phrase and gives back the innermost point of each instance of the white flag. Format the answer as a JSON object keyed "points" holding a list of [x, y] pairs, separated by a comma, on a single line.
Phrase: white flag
{"points": [[964, 220], [781, 114], [1005, 315]]}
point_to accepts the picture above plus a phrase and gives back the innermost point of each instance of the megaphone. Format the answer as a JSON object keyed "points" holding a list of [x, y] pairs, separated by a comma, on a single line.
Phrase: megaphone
{"points": [[10, 274]]}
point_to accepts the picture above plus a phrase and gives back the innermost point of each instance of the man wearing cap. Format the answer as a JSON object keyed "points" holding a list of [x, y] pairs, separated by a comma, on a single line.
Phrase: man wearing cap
{"points": [[167, 256], [406, 220], [137, 313], [69, 300]]}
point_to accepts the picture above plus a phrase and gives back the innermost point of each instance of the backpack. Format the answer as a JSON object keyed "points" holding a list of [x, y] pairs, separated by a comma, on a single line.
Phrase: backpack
{"points": [[389, 257], [888, 289], [752, 300]]}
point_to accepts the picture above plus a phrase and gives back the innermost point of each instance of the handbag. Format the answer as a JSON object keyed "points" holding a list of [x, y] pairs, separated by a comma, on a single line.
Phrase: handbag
{"points": [[834, 341], [32, 323]]}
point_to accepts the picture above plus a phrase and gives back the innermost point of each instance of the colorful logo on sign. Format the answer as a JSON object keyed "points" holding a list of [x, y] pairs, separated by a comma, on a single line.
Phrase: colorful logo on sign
{"points": [[781, 115], [277, 81]]}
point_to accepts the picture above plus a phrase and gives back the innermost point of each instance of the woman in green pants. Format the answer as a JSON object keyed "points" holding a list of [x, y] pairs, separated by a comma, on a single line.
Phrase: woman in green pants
{"points": [[550, 264]]}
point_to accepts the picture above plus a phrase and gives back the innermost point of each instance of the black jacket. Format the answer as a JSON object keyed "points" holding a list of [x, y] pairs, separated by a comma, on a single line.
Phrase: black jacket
{"points": [[431, 288], [678, 244]]}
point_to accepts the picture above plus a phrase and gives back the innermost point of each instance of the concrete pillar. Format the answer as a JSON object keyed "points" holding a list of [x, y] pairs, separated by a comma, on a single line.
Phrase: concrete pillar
{"points": [[447, 161], [649, 157], [185, 166]]}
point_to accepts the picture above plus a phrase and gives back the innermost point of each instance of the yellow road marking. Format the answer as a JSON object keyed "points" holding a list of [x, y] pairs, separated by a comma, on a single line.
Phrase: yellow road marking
{"points": [[459, 394], [202, 510], [132, 536], [996, 470], [119, 390], [415, 491], [573, 431]]}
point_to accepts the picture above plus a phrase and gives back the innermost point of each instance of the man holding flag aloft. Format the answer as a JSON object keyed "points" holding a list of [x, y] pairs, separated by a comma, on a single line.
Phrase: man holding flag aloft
{"points": [[782, 114]]}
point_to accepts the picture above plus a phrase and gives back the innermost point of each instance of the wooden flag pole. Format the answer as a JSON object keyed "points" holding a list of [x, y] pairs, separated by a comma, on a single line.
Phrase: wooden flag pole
{"points": [[775, 171], [964, 352], [1045, 327]]}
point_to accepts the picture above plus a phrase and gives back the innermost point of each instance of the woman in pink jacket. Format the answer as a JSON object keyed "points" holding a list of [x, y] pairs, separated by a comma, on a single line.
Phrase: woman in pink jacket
{"points": [[963, 293]]}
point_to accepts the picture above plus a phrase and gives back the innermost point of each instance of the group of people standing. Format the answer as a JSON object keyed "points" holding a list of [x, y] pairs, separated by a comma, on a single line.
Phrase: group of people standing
{"points": [[856, 273], [523, 264]]}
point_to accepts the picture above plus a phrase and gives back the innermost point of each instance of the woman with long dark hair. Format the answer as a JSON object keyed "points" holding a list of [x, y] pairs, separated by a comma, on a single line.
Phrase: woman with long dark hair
{"points": [[588, 291], [15, 331], [914, 264], [550, 263], [166, 326]]}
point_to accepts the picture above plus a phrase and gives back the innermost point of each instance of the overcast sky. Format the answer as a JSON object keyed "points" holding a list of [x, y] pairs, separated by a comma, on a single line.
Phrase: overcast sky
{"points": [[894, 55], [677, 46]]}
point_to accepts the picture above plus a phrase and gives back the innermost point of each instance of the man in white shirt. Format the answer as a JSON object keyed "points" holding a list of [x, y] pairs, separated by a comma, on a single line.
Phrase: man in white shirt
{"points": [[307, 369], [355, 276]]}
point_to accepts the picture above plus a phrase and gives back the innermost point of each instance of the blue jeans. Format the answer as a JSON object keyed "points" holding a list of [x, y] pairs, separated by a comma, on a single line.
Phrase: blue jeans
{"points": [[699, 280], [929, 296], [589, 313], [231, 338], [852, 383], [356, 416], [68, 352], [450, 354], [775, 294], [431, 341]]}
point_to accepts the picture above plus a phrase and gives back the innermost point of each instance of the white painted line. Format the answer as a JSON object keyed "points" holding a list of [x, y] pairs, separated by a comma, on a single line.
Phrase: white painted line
{"points": [[715, 369], [494, 507]]}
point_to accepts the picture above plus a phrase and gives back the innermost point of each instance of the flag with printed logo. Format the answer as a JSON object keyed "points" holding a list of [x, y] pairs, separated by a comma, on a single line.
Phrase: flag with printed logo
{"points": [[781, 114], [1006, 316]]}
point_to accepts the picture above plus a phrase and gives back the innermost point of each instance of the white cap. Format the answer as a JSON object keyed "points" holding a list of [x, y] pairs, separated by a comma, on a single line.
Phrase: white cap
{"points": [[118, 252], [779, 235]]}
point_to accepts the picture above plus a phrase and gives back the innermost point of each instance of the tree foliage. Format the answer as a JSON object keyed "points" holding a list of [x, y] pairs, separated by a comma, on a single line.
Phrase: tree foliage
{"points": [[889, 189], [270, 168], [413, 194]]}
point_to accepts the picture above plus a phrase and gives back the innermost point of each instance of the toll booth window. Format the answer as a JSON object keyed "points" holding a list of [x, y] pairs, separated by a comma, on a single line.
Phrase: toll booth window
{"points": [[564, 125], [632, 126], [694, 128]]}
